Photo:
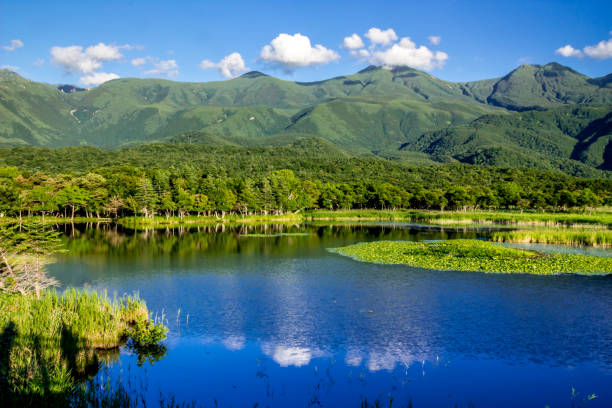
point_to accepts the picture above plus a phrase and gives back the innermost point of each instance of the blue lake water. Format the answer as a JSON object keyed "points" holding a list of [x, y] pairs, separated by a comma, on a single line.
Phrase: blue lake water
{"points": [[281, 322]]}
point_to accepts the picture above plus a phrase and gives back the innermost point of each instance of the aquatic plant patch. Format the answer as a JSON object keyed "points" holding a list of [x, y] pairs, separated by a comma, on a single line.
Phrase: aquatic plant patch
{"points": [[475, 255]]}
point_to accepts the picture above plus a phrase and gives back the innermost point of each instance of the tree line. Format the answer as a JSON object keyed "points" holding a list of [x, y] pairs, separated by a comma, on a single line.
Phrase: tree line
{"points": [[134, 191]]}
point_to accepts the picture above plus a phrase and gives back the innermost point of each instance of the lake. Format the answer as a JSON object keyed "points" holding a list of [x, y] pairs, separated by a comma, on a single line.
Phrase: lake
{"points": [[278, 321]]}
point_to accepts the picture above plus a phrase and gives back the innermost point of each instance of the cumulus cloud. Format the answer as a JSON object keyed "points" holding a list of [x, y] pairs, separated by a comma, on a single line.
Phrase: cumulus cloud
{"points": [[39, 62], [167, 68], [568, 51], [97, 78], [602, 50], [406, 53], [13, 46], [385, 50], [293, 51], [75, 59], [230, 66], [381, 37], [139, 62], [354, 42], [363, 53], [434, 39]]}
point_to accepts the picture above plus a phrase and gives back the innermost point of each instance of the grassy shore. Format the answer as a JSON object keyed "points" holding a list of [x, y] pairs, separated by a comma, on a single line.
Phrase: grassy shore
{"points": [[601, 217], [591, 237], [475, 255], [48, 343]]}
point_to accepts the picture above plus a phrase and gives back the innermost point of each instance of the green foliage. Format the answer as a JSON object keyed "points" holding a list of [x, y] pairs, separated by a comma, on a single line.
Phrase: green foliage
{"points": [[48, 343], [581, 236], [146, 333], [475, 255]]}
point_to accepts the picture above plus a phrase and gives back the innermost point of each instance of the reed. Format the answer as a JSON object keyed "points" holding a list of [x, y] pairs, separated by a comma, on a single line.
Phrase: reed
{"points": [[48, 343], [591, 237]]}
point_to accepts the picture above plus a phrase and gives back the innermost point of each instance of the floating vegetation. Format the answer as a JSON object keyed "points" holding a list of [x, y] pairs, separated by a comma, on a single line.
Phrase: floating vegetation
{"points": [[278, 234], [475, 255], [591, 237]]}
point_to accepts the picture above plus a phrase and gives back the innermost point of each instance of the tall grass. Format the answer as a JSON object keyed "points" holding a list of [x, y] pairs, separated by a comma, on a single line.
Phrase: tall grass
{"points": [[592, 237], [47, 344]]}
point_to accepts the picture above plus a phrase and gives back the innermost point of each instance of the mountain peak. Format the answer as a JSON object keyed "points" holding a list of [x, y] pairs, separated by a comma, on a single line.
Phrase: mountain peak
{"points": [[369, 69], [253, 74]]}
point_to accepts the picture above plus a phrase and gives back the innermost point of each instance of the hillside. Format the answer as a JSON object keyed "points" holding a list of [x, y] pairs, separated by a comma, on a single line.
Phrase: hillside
{"points": [[570, 138], [391, 113]]}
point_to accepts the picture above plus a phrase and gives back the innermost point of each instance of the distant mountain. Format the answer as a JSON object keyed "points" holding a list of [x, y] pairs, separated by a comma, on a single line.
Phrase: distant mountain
{"points": [[568, 138], [375, 111]]}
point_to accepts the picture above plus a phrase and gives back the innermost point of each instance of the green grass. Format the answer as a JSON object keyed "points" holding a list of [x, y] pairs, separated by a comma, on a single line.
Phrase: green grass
{"points": [[602, 218], [47, 344], [474, 255], [592, 237]]}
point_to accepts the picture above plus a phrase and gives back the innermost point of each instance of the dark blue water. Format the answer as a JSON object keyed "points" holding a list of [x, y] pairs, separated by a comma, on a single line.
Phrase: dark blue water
{"points": [[281, 322]]}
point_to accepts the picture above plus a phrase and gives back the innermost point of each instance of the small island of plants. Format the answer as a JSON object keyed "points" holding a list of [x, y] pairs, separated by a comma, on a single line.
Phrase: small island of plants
{"points": [[475, 255]]}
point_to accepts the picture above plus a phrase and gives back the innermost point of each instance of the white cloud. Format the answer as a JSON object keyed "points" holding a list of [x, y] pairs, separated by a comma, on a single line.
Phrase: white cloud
{"points": [[97, 78], [167, 68], [568, 51], [230, 66], [354, 42], [406, 53], [39, 62], [381, 37], [14, 45], [10, 67], [360, 53], [293, 51], [602, 50], [138, 62], [74, 59], [434, 39]]}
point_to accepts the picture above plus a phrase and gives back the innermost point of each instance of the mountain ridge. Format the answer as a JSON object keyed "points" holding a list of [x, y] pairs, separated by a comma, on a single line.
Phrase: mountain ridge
{"points": [[374, 111]]}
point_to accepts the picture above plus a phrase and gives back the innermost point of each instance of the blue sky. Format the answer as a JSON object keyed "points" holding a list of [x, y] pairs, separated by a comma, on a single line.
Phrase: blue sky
{"points": [[87, 42]]}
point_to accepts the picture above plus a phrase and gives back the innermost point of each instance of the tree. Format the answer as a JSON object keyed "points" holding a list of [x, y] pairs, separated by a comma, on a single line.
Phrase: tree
{"points": [[145, 197], [25, 250], [74, 197]]}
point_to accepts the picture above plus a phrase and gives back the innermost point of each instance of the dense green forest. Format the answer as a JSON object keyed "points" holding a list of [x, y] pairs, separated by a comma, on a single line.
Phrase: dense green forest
{"points": [[183, 179]]}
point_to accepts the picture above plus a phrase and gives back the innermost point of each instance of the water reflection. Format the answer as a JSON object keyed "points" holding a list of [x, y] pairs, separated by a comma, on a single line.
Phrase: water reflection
{"points": [[283, 312]]}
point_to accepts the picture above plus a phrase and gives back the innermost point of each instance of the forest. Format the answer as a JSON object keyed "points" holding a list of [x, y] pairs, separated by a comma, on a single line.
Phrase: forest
{"points": [[130, 191]]}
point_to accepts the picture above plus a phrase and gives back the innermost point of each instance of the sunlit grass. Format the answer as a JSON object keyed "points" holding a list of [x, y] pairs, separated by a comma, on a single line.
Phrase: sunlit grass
{"points": [[591, 237], [48, 343]]}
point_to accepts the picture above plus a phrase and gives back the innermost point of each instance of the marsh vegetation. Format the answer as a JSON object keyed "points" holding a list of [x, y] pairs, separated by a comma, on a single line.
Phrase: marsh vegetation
{"points": [[475, 255]]}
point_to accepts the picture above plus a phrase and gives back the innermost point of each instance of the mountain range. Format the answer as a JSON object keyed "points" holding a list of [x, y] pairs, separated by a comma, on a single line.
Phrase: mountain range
{"points": [[540, 116]]}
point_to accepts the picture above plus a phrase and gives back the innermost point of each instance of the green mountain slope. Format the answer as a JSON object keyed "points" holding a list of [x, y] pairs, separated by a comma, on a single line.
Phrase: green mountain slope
{"points": [[545, 86], [375, 111], [33, 114], [568, 138]]}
